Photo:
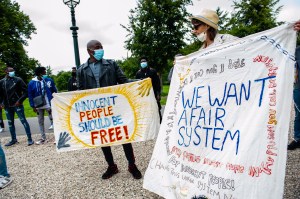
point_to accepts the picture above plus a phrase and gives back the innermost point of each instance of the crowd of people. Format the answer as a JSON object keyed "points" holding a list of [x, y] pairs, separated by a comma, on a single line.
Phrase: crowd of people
{"points": [[98, 72]]}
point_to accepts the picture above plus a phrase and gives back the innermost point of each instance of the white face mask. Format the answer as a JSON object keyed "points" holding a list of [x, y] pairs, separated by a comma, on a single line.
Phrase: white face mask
{"points": [[202, 36]]}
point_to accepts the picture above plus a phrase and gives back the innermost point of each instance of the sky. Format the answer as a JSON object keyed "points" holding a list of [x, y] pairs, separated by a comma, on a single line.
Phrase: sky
{"points": [[52, 44]]}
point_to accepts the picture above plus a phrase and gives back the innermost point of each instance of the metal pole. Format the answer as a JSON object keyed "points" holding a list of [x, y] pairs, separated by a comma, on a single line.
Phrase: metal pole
{"points": [[74, 29]]}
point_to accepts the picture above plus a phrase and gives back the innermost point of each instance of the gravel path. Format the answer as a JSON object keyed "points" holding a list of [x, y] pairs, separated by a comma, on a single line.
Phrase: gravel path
{"points": [[40, 172]]}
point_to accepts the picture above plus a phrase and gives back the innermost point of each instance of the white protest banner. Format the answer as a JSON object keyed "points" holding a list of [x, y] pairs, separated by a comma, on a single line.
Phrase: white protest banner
{"points": [[225, 126], [105, 116]]}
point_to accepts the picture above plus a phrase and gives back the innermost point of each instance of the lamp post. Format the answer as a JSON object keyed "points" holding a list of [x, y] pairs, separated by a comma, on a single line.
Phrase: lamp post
{"points": [[72, 4]]}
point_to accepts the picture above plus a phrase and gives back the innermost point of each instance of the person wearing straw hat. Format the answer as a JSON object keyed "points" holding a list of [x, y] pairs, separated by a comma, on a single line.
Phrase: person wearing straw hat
{"points": [[206, 29]]}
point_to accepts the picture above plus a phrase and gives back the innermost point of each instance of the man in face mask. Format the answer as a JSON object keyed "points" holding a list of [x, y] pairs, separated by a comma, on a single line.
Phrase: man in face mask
{"points": [[72, 83], [144, 72], [13, 92], [98, 72], [38, 87]]}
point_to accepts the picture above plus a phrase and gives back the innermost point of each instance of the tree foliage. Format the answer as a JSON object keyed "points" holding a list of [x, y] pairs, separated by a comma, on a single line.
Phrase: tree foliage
{"points": [[15, 29], [156, 30], [61, 80], [252, 16]]}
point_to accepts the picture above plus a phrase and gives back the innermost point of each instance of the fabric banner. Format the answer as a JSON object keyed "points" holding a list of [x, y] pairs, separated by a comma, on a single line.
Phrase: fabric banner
{"points": [[225, 126], [105, 116]]}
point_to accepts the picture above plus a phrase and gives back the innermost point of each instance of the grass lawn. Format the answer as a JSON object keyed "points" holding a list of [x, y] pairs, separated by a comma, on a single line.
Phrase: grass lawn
{"points": [[164, 94], [29, 111]]}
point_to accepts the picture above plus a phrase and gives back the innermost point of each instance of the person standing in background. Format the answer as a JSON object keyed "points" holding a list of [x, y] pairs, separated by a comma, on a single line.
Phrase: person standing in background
{"points": [[144, 72], [37, 87], [72, 83], [13, 92], [51, 85]]}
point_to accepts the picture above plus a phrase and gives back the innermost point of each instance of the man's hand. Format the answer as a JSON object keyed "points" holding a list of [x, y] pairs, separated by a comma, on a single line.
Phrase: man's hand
{"points": [[144, 87], [63, 139], [297, 25]]}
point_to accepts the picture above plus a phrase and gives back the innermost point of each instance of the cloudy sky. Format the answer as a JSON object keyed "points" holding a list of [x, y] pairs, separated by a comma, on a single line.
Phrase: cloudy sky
{"points": [[53, 43]]}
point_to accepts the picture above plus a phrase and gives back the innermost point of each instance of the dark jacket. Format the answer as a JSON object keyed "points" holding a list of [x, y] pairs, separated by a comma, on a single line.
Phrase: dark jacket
{"points": [[12, 90], [72, 84], [150, 72], [110, 74]]}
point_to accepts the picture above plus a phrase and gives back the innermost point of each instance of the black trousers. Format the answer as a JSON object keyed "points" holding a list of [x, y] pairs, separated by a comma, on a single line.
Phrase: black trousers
{"points": [[128, 153]]}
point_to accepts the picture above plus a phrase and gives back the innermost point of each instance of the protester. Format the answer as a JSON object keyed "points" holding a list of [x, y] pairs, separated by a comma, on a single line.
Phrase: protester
{"points": [[5, 178], [13, 92], [171, 70], [51, 85], [206, 29], [72, 83], [296, 94], [98, 72], [144, 72], [37, 87], [1, 121]]}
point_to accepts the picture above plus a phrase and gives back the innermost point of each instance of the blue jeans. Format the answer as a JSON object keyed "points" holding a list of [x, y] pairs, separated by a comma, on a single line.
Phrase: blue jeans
{"points": [[296, 96], [3, 166], [10, 114]]}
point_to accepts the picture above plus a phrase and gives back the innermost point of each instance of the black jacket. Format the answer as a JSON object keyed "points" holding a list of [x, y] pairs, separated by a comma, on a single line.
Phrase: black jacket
{"points": [[72, 84], [111, 74], [150, 72], [12, 89]]}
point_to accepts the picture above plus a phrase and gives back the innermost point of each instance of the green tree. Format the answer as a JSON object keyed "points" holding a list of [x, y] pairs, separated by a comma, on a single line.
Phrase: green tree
{"points": [[61, 80], [156, 30], [15, 29], [252, 16]]}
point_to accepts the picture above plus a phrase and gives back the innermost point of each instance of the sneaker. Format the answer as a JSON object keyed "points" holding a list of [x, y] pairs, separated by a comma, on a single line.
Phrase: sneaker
{"points": [[111, 170], [51, 127], [4, 181], [30, 142], [1, 130], [293, 145], [40, 141], [12, 143], [134, 171]]}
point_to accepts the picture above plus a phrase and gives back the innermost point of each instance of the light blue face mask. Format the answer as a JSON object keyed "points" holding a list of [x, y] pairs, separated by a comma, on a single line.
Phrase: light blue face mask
{"points": [[98, 54], [144, 64], [11, 74], [44, 76]]}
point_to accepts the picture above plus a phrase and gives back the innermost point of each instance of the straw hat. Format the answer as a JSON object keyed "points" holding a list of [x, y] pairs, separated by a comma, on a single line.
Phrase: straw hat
{"points": [[209, 17]]}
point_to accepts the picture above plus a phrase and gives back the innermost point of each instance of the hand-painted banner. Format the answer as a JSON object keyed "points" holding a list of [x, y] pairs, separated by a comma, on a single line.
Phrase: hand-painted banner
{"points": [[105, 116], [225, 126]]}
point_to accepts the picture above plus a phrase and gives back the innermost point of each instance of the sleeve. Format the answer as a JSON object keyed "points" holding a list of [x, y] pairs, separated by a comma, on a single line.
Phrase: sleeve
{"points": [[23, 88], [156, 83], [53, 88], [137, 75], [121, 77], [80, 78], [30, 96]]}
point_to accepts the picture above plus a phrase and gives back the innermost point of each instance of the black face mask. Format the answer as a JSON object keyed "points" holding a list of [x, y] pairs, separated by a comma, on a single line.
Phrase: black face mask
{"points": [[73, 74]]}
